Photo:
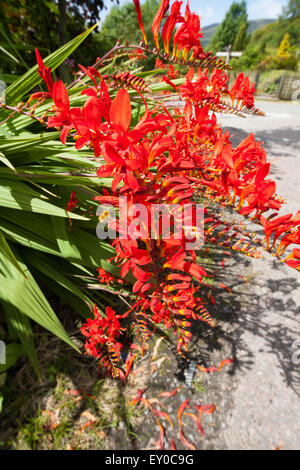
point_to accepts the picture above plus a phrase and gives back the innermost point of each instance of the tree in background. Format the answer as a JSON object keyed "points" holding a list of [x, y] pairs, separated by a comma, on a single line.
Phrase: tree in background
{"points": [[24, 25], [121, 22], [292, 10], [240, 40], [285, 47], [229, 29], [88, 9]]}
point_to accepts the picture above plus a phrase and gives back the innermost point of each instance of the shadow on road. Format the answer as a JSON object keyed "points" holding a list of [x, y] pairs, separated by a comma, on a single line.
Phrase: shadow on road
{"points": [[284, 139]]}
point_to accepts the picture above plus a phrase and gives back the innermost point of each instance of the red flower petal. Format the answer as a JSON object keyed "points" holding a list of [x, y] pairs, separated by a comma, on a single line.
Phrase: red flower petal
{"points": [[120, 111], [60, 96]]}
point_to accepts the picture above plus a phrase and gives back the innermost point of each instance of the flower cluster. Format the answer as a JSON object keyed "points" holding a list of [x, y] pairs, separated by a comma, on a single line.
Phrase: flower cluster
{"points": [[106, 278], [103, 334], [171, 159], [172, 73]]}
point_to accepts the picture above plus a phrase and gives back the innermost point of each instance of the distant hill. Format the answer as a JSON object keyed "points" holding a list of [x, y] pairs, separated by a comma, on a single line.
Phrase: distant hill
{"points": [[272, 34], [254, 25]]}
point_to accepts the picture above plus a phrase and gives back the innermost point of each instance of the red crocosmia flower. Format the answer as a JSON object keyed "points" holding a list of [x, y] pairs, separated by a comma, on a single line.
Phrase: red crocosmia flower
{"points": [[40, 96], [140, 20], [169, 157], [134, 257], [261, 198], [88, 127], [172, 73], [161, 12], [206, 89], [149, 123], [102, 331], [72, 202], [44, 72], [92, 112], [287, 240], [120, 117], [168, 81], [188, 35], [169, 26], [159, 64], [192, 269], [120, 111], [120, 166], [248, 92], [91, 72], [277, 226], [60, 96], [103, 95], [178, 277], [64, 116], [296, 253], [178, 262], [288, 224], [91, 130], [243, 90], [294, 259], [105, 101], [107, 278], [123, 154]]}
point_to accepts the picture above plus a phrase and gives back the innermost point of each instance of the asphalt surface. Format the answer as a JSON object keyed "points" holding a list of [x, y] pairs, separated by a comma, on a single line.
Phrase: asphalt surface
{"points": [[265, 400]]}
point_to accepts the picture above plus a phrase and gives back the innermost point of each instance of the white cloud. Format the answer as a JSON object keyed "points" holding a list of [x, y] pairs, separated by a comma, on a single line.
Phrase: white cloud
{"points": [[206, 13], [264, 9]]}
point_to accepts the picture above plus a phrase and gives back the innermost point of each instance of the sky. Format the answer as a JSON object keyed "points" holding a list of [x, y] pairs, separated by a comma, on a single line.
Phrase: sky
{"points": [[213, 11]]}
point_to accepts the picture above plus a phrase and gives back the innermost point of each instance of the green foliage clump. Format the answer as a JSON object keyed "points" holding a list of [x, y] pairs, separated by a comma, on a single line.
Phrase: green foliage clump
{"points": [[271, 36], [279, 63], [284, 59], [39, 251], [122, 22], [240, 40], [292, 10], [261, 53], [24, 25], [250, 59], [229, 29]]}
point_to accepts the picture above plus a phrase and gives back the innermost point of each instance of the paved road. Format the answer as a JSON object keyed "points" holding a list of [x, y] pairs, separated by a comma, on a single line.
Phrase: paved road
{"points": [[265, 396], [258, 397]]}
